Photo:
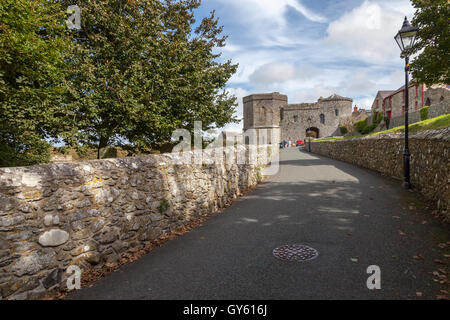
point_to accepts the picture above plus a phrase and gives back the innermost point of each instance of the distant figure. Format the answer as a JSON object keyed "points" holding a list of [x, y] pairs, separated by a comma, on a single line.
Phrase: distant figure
{"points": [[284, 144], [289, 144]]}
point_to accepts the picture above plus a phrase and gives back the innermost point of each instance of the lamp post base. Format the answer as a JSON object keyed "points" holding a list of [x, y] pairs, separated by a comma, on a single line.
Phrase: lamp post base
{"points": [[406, 173]]}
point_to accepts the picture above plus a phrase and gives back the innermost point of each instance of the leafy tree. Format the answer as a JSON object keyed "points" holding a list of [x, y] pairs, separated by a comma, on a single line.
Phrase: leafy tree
{"points": [[139, 71], [433, 64], [32, 46]]}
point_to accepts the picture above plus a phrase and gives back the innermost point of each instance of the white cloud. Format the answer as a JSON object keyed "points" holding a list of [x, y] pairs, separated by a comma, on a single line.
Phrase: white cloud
{"points": [[367, 32], [273, 73], [271, 9], [304, 10], [363, 103], [265, 21]]}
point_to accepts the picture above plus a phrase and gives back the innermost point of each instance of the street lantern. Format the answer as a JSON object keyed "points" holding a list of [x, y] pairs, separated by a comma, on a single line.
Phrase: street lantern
{"points": [[405, 39], [309, 134]]}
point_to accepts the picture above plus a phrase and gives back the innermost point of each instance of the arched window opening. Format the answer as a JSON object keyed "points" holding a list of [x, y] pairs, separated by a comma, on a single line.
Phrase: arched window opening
{"points": [[295, 118], [442, 99], [322, 118], [337, 111], [428, 102]]}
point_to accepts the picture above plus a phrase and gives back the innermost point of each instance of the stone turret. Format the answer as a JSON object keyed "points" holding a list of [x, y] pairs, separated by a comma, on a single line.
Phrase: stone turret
{"points": [[263, 112]]}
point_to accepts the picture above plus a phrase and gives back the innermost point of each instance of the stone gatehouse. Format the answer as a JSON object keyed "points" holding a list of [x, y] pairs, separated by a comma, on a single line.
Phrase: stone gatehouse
{"points": [[296, 121]]}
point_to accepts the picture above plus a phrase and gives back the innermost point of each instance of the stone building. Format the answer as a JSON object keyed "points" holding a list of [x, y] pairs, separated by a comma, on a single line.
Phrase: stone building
{"points": [[392, 103], [295, 121]]}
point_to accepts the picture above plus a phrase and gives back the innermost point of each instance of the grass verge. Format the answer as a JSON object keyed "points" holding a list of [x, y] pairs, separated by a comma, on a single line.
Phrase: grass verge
{"points": [[440, 122]]}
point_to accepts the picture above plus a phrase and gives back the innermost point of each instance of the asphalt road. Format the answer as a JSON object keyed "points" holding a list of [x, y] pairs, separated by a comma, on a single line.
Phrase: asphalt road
{"points": [[354, 218]]}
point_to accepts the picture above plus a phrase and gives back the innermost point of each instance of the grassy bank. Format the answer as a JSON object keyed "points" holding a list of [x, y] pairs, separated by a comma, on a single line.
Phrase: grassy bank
{"points": [[440, 122]]}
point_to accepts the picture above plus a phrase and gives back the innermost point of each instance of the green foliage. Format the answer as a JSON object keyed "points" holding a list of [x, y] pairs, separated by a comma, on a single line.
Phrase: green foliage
{"points": [[369, 128], [387, 121], [360, 125], [259, 176], [163, 206], [363, 128], [135, 72], [29, 150], [433, 64], [64, 150], [377, 117], [33, 42], [139, 71], [374, 116], [424, 113], [440, 122], [343, 129]]}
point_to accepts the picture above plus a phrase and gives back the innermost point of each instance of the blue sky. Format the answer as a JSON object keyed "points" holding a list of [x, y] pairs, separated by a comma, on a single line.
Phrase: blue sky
{"points": [[311, 48]]}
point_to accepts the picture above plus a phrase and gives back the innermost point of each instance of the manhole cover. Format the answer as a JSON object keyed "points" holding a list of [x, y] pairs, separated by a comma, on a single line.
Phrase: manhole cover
{"points": [[295, 252]]}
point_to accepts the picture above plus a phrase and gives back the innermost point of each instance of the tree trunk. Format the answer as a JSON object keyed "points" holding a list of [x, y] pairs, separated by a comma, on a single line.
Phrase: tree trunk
{"points": [[102, 144]]}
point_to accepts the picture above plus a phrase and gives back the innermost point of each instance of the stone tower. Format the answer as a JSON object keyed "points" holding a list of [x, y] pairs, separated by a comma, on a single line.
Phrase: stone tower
{"points": [[263, 112]]}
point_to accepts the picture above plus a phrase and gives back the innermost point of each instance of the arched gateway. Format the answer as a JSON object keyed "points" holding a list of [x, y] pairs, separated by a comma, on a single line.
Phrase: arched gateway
{"points": [[312, 132]]}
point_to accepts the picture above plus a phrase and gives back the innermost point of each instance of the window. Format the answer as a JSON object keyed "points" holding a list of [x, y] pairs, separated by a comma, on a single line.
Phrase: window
{"points": [[417, 105], [322, 118], [336, 112], [442, 98], [378, 104], [428, 103], [295, 118]]}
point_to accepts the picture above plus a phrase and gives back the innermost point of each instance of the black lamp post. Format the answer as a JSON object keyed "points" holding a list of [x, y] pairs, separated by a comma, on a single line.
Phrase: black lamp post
{"points": [[405, 39], [309, 134]]}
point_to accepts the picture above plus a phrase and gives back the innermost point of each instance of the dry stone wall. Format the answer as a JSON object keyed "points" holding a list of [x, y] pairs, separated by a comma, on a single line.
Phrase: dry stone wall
{"points": [[93, 212], [430, 159]]}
